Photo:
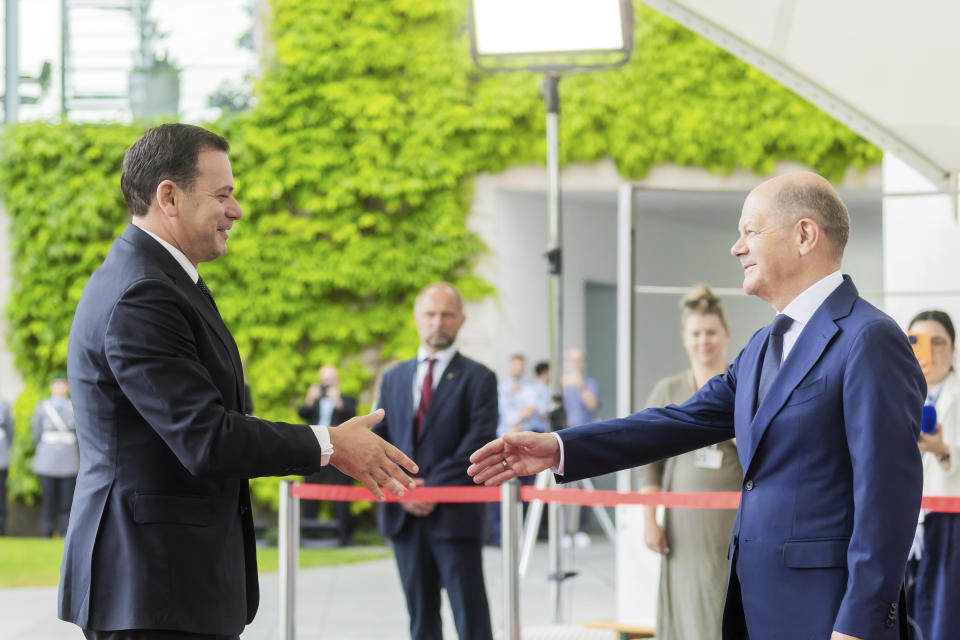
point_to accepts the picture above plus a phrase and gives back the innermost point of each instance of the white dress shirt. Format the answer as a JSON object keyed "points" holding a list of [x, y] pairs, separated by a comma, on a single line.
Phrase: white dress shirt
{"points": [[442, 360], [322, 434], [801, 309]]}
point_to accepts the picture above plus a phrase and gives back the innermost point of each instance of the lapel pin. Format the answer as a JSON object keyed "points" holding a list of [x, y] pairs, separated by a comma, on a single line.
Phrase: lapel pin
{"points": [[449, 376]]}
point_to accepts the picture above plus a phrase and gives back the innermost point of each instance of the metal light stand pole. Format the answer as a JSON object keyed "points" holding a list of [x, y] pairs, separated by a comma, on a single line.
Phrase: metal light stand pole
{"points": [[11, 99], [288, 548], [558, 416], [510, 542]]}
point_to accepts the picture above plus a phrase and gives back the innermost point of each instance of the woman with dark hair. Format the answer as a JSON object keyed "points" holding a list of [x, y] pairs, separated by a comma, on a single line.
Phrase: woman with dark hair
{"points": [[936, 590], [693, 542]]}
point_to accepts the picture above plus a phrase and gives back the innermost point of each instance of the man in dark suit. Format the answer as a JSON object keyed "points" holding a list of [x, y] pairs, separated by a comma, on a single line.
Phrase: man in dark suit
{"points": [[825, 404], [440, 407], [325, 405], [161, 542]]}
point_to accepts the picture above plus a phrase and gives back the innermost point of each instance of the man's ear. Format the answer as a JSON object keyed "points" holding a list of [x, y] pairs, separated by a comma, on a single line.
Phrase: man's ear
{"points": [[168, 197], [808, 232]]}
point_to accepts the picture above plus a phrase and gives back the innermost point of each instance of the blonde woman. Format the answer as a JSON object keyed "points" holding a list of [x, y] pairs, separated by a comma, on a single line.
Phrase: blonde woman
{"points": [[693, 542]]}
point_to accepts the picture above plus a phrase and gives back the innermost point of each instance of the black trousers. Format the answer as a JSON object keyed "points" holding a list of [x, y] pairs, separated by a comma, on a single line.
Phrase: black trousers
{"points": [[341, 509], [55, 500], [152, 634], [427, 564], [3, 501]]}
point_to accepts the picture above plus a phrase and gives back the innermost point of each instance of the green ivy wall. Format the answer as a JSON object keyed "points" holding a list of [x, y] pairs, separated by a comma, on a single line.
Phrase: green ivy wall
{"points": [[354, 172]]}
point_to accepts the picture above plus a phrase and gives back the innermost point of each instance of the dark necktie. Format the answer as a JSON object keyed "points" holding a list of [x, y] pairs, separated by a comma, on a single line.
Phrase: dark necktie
{"points": [[426, 392], [206, 292], [773, 355]]}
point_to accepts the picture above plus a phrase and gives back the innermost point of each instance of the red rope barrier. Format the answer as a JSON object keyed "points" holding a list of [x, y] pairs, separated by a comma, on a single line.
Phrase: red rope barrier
{"points": [[583, 497]]}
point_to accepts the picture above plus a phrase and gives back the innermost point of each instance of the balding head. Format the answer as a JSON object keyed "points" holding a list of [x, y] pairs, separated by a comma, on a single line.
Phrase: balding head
{"points": [[793, 230], [438, 314], [804, 194]]}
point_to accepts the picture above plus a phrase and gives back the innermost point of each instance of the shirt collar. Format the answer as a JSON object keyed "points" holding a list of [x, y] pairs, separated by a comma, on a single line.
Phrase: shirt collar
{"points": [[178, 255], [443, 358], [802, 308]]}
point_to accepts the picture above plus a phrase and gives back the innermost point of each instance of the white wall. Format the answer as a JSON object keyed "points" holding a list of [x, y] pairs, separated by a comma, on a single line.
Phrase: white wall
{"points": [[921, 245]]}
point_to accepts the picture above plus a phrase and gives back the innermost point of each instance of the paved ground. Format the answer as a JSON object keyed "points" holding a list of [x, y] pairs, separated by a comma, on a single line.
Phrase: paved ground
{"points": [[364, 602]]}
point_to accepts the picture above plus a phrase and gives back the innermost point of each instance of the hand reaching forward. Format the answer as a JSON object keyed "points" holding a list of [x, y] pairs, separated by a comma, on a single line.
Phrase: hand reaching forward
{"points": [[373, 461], [525, 453]]}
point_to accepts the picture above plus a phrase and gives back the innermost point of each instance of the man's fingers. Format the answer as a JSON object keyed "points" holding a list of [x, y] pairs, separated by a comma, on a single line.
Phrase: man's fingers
{"points": [[371, 486], [394, 487], [401, 459], [492, 448], [368, 420], [500, 478], [483, 473], [480, 464]]}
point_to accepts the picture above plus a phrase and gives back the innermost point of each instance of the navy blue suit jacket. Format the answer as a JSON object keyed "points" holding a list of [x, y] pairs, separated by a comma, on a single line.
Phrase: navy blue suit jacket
{"points": [[461, 418], [832, 473], [161, 535]]}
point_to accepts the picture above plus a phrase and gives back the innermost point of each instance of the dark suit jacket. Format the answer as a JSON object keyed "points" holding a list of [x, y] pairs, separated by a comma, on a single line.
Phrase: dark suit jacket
{"points": [[461, 418], [311, 412], [161, 535], [832, 474]]}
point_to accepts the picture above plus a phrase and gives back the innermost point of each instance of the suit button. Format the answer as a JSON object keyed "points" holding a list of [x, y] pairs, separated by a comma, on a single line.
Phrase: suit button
{"points": [[893, 607], [748, 485], [889, 622]]}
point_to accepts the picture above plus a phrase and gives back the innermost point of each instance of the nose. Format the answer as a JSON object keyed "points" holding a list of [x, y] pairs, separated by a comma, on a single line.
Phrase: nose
{"points": [[234, 211], [738, 248]]}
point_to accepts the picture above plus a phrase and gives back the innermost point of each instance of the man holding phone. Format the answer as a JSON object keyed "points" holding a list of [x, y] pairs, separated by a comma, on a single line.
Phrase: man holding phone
{"points": [[325, 405]]}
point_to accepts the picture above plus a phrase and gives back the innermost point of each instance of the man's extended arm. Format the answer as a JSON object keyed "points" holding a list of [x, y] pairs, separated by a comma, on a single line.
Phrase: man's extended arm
{"points": [[152, 351], [613, 445]]}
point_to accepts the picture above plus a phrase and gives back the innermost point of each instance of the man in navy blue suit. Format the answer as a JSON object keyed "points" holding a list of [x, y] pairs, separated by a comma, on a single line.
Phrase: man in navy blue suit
{"points": [[160, 543], [825, 405], [440, 407]]}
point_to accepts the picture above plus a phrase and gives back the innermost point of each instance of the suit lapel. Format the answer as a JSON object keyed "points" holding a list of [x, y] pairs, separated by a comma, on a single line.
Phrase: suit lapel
{"points": [[175, 272], [449, 378], [807, 350], [404, 406]]}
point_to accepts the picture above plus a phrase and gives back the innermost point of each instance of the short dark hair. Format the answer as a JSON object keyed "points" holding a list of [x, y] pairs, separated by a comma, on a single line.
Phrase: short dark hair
{"points": [[165, 152], [821, 203], [540, 367], [937, 316]]}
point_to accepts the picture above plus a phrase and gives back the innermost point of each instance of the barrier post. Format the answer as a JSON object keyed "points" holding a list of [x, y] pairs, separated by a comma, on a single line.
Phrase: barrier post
{"points": [[288, 544], [510, 545]]}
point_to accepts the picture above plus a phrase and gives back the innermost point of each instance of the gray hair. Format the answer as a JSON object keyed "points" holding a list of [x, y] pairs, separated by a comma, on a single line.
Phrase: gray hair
{"points": [[821, 203]]}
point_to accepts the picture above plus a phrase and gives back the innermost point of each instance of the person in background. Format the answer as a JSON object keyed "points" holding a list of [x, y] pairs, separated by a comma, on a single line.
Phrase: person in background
{"points": [[324, 405], [935, 562], [520, 410], [440, 406], [581, 399], [541, 392], [57, 458], [693, 542], [6, 442]]}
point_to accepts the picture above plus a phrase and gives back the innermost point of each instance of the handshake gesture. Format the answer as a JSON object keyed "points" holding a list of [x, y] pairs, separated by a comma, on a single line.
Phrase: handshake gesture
{"points": [[519, 453]]}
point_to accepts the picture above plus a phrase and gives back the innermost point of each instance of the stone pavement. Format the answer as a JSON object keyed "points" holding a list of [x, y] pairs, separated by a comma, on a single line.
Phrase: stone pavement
{"points": [[364, 602]]}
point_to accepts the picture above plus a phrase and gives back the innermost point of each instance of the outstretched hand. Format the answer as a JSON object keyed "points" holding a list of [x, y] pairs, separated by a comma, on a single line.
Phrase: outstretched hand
{"points": [[364, 455], [524, 452]]}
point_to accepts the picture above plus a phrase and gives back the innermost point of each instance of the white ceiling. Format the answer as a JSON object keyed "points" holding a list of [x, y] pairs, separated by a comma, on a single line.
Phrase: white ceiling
{"points": [[890, 70]]}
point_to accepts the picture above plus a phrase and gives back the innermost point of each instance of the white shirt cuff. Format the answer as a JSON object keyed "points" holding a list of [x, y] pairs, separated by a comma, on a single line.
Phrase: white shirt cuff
{"points": [[323, 437], [559, 468]]}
